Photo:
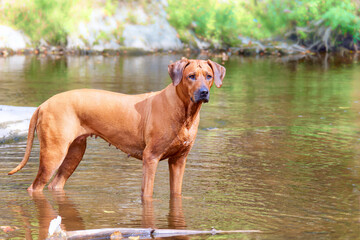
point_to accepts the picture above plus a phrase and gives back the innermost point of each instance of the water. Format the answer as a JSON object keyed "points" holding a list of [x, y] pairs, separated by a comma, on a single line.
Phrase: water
{"points": [[278, 150]]}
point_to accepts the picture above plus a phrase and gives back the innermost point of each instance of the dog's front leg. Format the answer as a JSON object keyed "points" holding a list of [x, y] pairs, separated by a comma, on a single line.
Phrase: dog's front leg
{"points": [[177, 169], [150, 163]]}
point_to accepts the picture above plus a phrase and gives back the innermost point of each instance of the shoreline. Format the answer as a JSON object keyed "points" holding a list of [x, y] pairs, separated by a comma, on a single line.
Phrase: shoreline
{"points": [[252, 48], [140, 29]]}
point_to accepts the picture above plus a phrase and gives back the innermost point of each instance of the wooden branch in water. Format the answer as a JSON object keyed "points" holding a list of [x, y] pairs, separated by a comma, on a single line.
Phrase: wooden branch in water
{"points": [[143, 233], [55, 232]]}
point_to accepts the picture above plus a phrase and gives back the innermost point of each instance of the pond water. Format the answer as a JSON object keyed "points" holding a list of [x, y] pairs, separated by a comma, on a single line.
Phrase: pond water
{"points": [[278, 150]]}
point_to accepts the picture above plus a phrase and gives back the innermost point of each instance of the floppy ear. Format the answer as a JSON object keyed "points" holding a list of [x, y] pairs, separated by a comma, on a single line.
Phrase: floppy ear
{"points": [[219, 72], [176, 70]]}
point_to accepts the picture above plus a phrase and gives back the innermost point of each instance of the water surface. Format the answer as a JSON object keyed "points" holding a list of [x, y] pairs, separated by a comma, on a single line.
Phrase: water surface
{"points": [[278, 150]]}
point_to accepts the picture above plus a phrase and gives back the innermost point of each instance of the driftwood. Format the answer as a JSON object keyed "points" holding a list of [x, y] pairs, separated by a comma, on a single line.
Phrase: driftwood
{"points": [[118, 233], [55, 232]]}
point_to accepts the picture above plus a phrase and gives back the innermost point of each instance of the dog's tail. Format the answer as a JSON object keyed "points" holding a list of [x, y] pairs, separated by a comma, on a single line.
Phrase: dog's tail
{"points": [[29, 142]]}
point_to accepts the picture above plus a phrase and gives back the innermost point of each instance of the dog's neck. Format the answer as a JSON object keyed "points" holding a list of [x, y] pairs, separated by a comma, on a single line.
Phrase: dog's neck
{"points": [[189, 109], [192, 112]]}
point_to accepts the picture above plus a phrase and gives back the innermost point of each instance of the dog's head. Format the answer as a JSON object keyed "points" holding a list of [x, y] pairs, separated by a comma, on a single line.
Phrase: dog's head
{"points": [[195, 77]]}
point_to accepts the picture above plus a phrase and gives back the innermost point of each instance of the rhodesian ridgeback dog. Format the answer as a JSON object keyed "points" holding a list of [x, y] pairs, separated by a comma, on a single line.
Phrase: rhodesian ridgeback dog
{"points": [[150, 127]]}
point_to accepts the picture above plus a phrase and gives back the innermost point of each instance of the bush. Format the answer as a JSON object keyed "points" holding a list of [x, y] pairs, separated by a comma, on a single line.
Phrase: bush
{"points": [[50, 20], [224, 21], [212, 20]]}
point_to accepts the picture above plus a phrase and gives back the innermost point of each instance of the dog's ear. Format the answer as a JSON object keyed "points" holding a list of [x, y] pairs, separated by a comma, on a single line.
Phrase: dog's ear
{"points": [[176, 70], [219, 72]]}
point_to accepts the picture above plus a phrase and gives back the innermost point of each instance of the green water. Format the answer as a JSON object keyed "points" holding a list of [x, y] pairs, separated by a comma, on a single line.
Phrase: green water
{"points": [[278, 150]]}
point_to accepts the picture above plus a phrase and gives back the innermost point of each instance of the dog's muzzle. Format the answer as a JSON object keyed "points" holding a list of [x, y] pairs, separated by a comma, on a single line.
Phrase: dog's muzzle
{"points": [[202, 95]]}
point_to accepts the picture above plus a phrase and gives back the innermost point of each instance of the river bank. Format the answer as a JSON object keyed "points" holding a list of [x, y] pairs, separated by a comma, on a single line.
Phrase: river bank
{"points": [[138, 41], [137, 28], [249, 48]]}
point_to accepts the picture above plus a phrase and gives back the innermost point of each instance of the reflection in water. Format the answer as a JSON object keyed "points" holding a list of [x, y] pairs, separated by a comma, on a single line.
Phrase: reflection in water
{"points": [[176, 218], [71, 219], [277, 150]]}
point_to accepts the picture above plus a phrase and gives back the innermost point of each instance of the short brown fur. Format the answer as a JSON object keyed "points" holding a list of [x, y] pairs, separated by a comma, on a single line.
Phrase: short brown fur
{"points": [[150, 126]]}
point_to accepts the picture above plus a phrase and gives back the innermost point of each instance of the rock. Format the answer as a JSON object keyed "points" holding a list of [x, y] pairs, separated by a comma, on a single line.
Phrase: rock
{"points": [[201, 44], [193, 42], [250, 47], [159, 35], [285, 48], [103, 45], [129, 27], [13, 39], [75, 42], [43, 43], [14, 122]]}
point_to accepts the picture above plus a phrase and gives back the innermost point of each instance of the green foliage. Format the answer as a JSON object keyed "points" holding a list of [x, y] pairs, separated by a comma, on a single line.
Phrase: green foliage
{"points": [[223, 21], [110, 7], [342, 18], [131, 18], [118, 33], [50, 20], [281, 16], [220, 22], [211, 20]]}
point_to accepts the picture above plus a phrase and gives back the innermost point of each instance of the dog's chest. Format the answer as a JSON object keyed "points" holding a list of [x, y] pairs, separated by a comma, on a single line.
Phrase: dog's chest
{"points": [[181, 142], [184, 139]]}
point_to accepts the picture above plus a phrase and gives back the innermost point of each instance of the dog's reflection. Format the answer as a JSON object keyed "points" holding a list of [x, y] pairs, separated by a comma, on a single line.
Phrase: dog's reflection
{"points": [[71, 219], [176, 219], [58, 203]]}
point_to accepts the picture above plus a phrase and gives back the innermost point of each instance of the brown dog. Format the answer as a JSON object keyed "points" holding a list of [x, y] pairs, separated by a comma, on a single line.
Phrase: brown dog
{"points": [[150, 126]]}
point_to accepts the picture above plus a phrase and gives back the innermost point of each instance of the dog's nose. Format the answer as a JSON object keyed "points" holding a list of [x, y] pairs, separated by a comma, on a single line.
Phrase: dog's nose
{"points": [[204, 92]]}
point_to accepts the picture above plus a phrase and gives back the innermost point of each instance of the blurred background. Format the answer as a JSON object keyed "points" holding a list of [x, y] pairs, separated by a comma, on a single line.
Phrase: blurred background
{"points": [[318, 25]]}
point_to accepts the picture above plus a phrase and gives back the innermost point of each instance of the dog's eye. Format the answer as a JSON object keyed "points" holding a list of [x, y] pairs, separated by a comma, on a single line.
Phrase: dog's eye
{"points": [[208, 77], [192, 77]]}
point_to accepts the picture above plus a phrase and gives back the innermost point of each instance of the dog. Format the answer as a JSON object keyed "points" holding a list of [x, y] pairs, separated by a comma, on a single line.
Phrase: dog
{"points": [[150, 127]]}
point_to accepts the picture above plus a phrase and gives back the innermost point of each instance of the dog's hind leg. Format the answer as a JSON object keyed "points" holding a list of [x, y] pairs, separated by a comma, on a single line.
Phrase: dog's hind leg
{"points": [[50, 160], [55, 137], [74, 155]]}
